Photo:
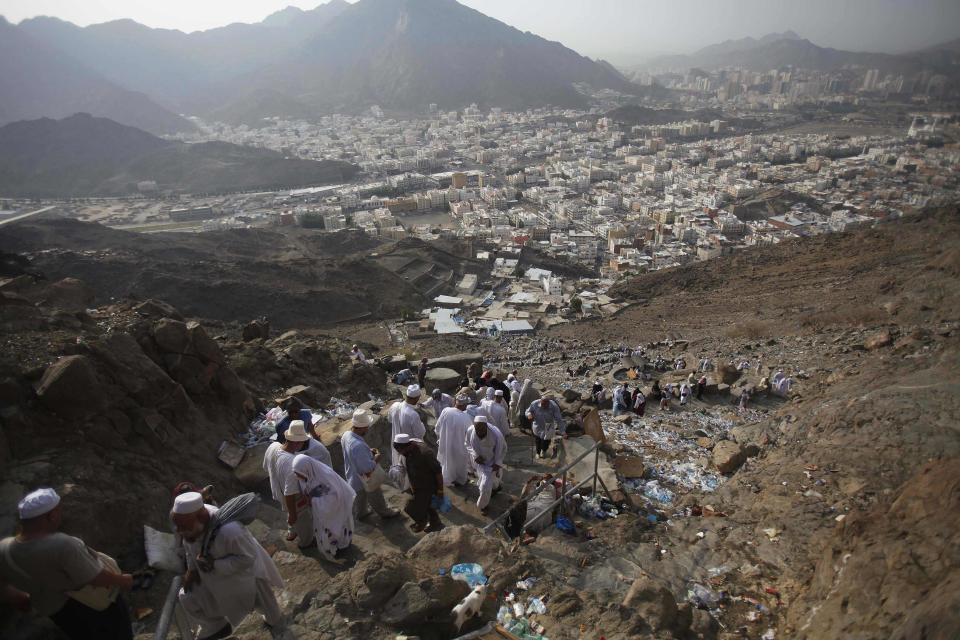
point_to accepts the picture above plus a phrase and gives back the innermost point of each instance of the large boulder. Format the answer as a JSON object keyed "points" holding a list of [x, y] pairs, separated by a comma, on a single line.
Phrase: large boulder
{"points": [[250, 471], [171, 336], [374, 581], [157, 309], [878, 340], [727, 456], [454, 545], [71, 389], [430, 600], [68, 294], [458, 361], [654, 602], [447, 380], [727, 374], [256, 330]]}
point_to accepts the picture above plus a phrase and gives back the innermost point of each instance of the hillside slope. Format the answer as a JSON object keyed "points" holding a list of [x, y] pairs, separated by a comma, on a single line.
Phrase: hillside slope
{"points": [[86, 156], [296, 278]]}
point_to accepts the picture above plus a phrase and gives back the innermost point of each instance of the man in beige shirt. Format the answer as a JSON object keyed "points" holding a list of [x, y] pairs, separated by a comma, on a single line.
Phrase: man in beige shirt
{"points": [[41, 566]]}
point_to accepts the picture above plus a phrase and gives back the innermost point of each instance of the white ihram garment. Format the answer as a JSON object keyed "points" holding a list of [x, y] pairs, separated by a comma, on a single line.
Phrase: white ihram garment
{"points": [[491, 450], [452, 452], [243, 577], [496, 413]]}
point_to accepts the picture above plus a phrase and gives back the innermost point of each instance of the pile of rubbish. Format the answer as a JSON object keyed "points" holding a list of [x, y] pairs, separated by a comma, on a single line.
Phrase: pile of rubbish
{"points": [[600, 508], [263, 427], [518, 613]]}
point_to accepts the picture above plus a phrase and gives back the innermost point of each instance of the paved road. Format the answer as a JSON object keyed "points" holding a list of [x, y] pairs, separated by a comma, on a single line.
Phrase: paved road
{"points": [[27, 215]]}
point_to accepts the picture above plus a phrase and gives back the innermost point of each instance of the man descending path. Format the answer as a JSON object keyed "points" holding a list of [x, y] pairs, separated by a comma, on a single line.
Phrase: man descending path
{"points": [[487, 448], [41, 569], [425, 478], [452, 452], [228, 579], [405, 419], [495, 409], [278, 463], [360, 462], [547, 421]]}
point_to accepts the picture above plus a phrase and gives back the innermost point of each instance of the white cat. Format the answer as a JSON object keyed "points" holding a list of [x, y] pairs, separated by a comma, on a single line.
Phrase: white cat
{"points": [[469, 606]]}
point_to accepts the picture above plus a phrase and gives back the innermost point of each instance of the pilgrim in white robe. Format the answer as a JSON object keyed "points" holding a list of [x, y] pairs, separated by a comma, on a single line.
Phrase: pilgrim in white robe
{"points": [[403, 419], [490, 450], [331, 500], [243, 578], [496, 413], [452, 453]]}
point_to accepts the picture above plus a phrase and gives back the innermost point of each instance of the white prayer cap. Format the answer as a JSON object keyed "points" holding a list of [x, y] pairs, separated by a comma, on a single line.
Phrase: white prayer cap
{"points": [[479, 419], [189, 502], [297, 432], [362, 418], [511, 377], [498, 392], [413, 391], [36, 503], [462, 398], [401, 438]]}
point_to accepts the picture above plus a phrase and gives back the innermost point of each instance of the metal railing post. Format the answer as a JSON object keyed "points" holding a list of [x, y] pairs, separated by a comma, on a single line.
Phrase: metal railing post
{"points": [[596, 467]]}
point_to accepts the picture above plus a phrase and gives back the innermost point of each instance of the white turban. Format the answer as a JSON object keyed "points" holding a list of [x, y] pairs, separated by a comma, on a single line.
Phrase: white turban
{"points": [[413, 391], [189, 502], [479, 419], [37, 503], [401, 438]]}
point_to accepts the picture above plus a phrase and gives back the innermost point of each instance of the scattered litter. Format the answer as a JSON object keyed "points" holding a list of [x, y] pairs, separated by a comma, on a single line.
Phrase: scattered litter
{"points": [[535, 605], [527, 583], [441, 503], [772, 533], [469, 572], [750, 570], [142, 613], [566, 525], [769, 634], [703, 597], [719, 571], [654, 491]]}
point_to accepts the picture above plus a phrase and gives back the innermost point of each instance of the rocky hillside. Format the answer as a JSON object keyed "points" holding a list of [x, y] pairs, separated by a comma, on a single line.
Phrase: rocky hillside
{"points": [[86, 156], [826, 511], [295, 278]]}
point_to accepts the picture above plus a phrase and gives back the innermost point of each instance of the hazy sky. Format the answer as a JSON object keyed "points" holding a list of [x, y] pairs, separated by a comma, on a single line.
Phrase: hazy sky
{"points": [[620, 30]]}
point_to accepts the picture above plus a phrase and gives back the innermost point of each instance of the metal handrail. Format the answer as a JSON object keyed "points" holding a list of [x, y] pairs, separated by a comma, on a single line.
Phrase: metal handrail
{"points": [[595, 477], [173, 612]]}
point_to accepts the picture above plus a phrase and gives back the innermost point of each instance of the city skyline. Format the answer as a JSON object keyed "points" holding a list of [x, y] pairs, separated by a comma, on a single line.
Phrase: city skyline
{"points": [[889, 26]]}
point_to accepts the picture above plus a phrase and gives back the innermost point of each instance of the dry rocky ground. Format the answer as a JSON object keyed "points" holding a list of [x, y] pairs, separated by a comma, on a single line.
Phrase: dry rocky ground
{"points": [[831, 513]]}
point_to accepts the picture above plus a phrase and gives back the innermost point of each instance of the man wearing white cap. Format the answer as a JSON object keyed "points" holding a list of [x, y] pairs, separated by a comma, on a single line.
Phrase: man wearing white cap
{"points": [[359, 462], [405, 419], [438, 401], [451, 431], [43, 570], [495, 409], [486, 447], [284, 486], [547, 421], [228, 579], [425, 477]]}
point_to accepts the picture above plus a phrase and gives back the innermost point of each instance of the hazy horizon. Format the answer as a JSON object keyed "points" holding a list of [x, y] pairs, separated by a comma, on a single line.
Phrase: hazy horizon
{"points": [[635, 30]]}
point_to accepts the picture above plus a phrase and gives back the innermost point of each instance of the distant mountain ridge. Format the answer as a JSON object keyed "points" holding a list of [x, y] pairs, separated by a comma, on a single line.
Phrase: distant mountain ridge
{"points": [[400, 54], [788, 49], [87, 156], [37, 80]]}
